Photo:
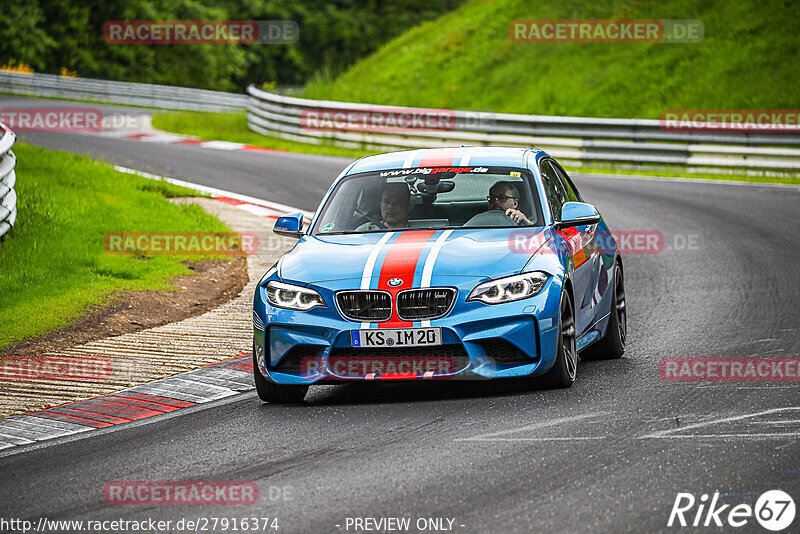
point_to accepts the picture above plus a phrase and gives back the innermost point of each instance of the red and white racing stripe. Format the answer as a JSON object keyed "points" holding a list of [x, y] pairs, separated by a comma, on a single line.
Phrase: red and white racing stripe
{"points": [[427, 270], [401, 260], [444, 157]]}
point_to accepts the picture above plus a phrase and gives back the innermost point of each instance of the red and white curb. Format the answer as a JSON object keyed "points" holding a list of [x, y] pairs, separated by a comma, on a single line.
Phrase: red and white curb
{"points": [[256, 206], [138, 127], [173, 139], [183, 390]]}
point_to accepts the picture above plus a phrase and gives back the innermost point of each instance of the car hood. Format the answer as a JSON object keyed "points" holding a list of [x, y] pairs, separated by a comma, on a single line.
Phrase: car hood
{"points": [[410, 255]]}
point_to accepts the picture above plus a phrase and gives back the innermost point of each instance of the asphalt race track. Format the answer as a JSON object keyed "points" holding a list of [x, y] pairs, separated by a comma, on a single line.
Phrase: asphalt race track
{"points": [[608, 455]]}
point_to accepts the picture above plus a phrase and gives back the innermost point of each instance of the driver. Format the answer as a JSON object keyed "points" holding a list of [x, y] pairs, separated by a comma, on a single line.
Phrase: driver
{"points": [[395, 207], [504, 196]]}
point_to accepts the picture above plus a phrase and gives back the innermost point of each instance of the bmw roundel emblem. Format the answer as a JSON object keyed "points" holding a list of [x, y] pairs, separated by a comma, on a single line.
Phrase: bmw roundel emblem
{"points": [[394, 282]]}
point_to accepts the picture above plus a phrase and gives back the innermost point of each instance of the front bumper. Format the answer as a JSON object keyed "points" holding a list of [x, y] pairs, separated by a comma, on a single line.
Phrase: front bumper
{"points": [[479, 341]]}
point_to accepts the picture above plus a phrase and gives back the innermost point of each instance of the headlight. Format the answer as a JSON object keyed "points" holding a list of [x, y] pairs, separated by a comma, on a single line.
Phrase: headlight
{"points": [[293, 297], [509, 289]]}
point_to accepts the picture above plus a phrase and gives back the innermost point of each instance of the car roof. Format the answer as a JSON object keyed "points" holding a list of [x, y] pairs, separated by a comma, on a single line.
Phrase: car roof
{"points": [[446, 157]]}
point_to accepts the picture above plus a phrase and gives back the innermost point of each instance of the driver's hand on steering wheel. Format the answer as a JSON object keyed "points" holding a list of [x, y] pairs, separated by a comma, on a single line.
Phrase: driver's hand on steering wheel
{"points": [[517, 216]]}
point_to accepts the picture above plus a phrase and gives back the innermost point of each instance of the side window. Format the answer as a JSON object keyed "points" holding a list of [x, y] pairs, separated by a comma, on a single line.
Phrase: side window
{"points": [[572, 192], [553, 188]]}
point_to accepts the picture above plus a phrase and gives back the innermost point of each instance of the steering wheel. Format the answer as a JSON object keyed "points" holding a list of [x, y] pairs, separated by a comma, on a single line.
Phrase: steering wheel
{"points": [[491, 218], [368, 217]]}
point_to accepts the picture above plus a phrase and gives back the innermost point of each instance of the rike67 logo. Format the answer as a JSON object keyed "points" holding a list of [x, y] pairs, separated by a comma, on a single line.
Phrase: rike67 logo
{"points": [[774, 510]]}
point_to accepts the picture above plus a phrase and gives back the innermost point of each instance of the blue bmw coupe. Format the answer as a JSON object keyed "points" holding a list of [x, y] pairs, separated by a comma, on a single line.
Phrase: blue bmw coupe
{"points": [[434, 264]]}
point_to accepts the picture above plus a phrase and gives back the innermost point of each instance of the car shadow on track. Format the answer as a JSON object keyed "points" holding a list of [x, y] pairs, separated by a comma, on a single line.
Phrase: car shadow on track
{"points": [[399, 391], [597, 378]]}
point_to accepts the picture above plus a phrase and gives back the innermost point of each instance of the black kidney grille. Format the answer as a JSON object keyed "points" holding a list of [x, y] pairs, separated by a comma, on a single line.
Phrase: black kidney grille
{"points": [[365, 305], [416, 304]]}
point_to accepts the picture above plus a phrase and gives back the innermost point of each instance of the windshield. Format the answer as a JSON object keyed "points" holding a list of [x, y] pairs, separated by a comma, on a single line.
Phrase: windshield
{"points": [[428, 198]]}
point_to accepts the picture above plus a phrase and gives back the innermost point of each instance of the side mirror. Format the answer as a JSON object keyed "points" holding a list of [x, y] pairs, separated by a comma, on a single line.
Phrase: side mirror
{"points": [[577, 214], [290, 225]]}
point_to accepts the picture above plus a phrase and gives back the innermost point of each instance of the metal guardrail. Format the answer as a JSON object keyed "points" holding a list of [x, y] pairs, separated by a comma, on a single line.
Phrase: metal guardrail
{"points": [[138, 94], [8, 197], [582, 140]]}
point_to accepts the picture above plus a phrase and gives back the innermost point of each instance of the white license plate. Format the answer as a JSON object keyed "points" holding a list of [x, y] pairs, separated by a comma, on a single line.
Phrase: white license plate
{"points": [[396, 337]]}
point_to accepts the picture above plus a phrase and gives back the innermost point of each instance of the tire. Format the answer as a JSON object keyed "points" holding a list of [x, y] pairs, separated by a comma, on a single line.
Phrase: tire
{"points": [[276, 393], [562, 374], [612, 346]]}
